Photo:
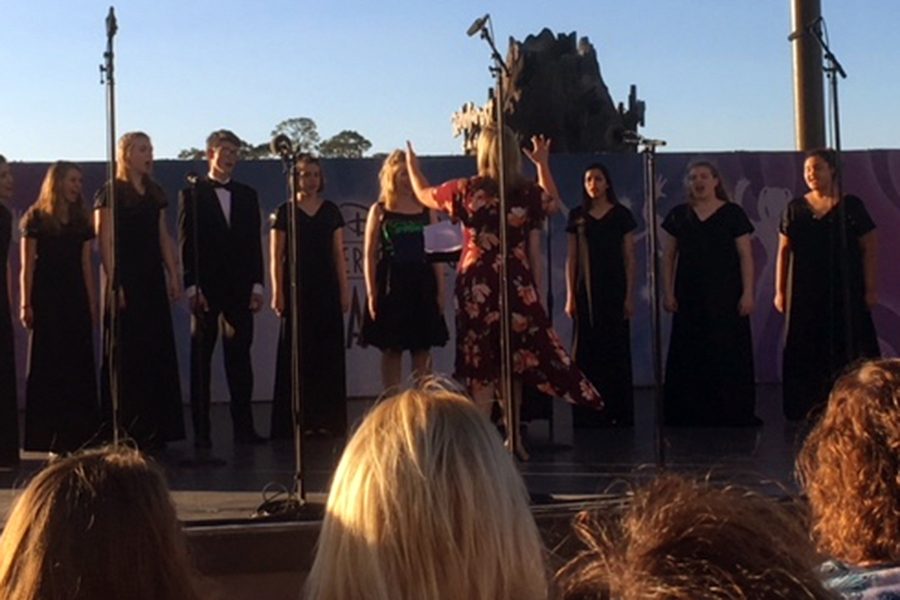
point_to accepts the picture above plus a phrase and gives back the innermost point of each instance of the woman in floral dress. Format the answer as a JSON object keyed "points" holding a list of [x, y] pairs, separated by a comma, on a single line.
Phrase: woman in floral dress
{"points": [[538, 357]]}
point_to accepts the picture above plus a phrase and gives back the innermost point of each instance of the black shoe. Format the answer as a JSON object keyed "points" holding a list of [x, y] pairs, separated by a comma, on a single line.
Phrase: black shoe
{"points": [[249, 437], [202, 443]]}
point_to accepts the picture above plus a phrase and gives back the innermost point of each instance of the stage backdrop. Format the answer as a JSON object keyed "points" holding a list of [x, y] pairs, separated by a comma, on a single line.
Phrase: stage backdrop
{"points": [[762, 182]]}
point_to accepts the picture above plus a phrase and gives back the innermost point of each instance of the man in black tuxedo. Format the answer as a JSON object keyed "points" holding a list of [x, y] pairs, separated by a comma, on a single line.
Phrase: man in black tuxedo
{"points": [[221, 250]]}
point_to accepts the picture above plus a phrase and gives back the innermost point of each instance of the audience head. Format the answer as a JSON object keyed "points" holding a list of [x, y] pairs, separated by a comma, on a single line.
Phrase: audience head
{"points": [[97, 524], [426, 503], [488, 155], [702, 180], [684, 540], [6, 179], [394, 178], [134, 156], [849, 467], [597, 183]]}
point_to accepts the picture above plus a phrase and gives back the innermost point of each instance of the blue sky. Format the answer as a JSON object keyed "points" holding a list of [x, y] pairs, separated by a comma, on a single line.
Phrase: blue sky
{"points": [[716, 74]]}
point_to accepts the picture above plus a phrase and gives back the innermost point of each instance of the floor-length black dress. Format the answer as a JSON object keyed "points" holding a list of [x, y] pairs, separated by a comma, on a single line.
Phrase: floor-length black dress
{"points": [[323, 388], [602, 344], [150, 409], [709, 370], [816, 348], [9, 409], [62, 413]]}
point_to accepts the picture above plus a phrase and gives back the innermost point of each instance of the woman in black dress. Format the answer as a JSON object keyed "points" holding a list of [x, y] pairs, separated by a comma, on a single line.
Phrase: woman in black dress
{"points": [[150, 408], [600, 296], [9, 409], [323, 297], [825, 283], [405, 292], [59, 308], [708, 285]]}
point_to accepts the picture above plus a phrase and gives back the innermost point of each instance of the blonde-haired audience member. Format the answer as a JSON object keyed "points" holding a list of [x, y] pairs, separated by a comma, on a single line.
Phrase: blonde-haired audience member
{"points": [[850, 469], [97, 524], [426, 503], [685, 540]]}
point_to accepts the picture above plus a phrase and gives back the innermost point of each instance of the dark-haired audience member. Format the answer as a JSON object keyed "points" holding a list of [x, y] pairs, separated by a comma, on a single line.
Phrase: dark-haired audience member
{"points": [[146, 267], [600, 296], [685, 540], [849, 467], [825, 285], [426, 503], [323, 295], [97, 524], [59, 308], [221, 251], [708, 286], [9, 409]]}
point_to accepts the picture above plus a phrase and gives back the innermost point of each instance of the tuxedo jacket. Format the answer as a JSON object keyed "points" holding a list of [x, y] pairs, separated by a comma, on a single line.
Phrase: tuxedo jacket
{"points": [[224, 259]]}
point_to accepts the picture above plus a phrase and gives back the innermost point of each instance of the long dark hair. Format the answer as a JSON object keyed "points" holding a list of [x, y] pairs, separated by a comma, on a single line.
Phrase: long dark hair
{"points": [[610, 189]]}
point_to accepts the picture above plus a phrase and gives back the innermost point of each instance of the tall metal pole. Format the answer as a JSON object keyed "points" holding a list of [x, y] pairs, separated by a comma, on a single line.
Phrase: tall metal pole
{"points": [[510, 408], [809, 97], [107, 77]]}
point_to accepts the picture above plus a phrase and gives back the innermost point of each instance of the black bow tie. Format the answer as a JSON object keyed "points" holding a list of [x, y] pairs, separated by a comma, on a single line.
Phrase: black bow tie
{"points": [[219, 184]]}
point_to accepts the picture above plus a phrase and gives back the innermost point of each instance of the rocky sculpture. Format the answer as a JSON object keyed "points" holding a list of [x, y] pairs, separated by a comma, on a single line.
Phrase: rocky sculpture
{"points": [[555, 87]]}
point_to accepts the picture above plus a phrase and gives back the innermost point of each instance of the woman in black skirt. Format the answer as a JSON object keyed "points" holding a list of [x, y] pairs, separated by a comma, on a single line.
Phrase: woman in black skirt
{"points": [[405, 292], [708, 286], [600, 296]]}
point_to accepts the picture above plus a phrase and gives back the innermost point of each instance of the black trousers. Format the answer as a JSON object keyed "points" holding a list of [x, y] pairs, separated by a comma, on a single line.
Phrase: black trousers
{"points": [[236, 324]]}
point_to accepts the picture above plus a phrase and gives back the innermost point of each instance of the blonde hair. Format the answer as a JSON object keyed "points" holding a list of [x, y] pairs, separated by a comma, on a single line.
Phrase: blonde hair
{"points": [[426, 503], [387, 177], [51, 205], [97, 524], [849, 467], [685, 540], [488, 156], [123, 150]]}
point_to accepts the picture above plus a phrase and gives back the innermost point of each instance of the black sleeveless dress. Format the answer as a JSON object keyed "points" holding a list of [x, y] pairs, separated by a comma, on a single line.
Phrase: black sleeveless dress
{"points": [[407, 315]]}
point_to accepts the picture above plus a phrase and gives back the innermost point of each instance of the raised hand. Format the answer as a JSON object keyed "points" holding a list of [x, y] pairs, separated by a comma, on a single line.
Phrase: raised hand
{"points": [[540, 150]]}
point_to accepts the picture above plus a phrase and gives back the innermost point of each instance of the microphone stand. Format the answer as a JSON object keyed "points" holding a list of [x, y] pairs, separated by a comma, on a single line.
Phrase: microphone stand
{"points": [[295, 505], [653, 279], [498, 70], [107, 77], [833, 69]]}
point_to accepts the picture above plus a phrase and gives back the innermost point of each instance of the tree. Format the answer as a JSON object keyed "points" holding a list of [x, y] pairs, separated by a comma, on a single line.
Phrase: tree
{"points": [[346, 144], [250, 152], [301, 131], [192, 154]]}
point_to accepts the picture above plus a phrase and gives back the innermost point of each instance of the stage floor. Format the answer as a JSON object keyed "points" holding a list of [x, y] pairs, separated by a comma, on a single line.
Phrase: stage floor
{"points": [[601, 461]]}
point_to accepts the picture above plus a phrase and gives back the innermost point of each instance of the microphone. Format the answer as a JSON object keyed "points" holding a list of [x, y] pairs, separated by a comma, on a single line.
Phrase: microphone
{"points": [[477, 26], [804, 30], [192, 178], [626, 136], [111, 25], [282, 146], [633, 138]]}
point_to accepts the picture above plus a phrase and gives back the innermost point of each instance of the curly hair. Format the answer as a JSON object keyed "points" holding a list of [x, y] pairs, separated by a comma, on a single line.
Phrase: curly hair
{"points": [[850, 467], [685, 540]]}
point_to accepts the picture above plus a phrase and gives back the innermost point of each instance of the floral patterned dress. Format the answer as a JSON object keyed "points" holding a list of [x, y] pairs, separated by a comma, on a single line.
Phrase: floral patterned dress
{"points": [[538, 357]]}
